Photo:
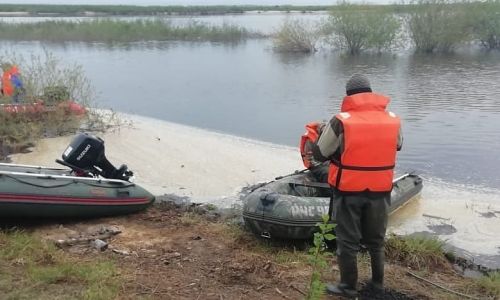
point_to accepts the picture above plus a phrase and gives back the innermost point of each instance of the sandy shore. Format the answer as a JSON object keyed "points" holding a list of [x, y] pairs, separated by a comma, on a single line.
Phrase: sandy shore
{"points": [[213, 167], [172, 158]]}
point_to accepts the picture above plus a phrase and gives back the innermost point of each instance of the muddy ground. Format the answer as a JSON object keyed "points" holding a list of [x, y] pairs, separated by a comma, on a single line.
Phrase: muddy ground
{"points": [[167, 253]]}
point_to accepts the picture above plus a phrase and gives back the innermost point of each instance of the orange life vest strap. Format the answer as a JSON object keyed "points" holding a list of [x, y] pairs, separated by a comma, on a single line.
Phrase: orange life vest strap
{"points": [[359, 168]]}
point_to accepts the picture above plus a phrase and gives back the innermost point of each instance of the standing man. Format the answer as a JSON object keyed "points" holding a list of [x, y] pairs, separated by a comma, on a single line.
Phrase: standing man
{"points": [[361, 143]]}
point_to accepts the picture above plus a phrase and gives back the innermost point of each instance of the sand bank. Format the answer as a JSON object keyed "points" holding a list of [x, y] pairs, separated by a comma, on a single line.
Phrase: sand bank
{"points": [[187, 161], [213, 167]]}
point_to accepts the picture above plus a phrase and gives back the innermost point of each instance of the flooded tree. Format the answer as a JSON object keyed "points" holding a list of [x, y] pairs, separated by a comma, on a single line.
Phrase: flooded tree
{"points": [[356, 29]]}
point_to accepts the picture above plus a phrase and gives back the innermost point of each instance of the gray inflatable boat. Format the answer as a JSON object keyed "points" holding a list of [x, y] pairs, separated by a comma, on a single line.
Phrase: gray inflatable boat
{"points": [[290, 207]]}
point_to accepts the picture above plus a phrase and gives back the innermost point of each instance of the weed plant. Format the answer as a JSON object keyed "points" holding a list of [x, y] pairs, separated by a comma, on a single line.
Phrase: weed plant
{"points": [[318, 258]]}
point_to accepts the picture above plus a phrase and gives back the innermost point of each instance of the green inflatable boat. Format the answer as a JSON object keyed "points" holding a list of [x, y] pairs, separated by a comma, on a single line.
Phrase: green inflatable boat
{"points": [[290, 207], [89, 187]]}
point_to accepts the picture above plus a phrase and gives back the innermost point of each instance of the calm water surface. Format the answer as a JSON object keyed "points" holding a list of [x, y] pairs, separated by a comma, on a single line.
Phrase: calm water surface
{"points": [[450, 105]]}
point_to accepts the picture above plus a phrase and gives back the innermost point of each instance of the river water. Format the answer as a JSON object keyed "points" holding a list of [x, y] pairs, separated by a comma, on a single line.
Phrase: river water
{"points": [[449, 105]]}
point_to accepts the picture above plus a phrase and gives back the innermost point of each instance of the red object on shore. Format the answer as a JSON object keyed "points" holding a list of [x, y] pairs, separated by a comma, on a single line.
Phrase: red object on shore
{"points": [[69, 107]]}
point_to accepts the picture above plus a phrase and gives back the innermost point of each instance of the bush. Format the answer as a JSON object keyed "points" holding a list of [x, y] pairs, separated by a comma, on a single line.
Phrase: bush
{"points": [[485, 23], [438, 25], [47, 79], [44, 76], [55, 94], [296, 36], [356, 29]]}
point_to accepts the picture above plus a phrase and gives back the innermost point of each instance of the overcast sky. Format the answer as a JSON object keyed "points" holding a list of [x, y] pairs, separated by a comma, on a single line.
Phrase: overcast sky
{"points": [[189, 2]]}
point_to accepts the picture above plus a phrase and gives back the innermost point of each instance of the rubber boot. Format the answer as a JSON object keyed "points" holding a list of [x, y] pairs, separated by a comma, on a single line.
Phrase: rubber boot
{"points": [[348, 277], [377, 261]]}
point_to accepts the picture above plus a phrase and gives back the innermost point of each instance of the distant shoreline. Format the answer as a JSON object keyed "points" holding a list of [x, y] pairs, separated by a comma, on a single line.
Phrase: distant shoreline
{"points": [[54, 10]]}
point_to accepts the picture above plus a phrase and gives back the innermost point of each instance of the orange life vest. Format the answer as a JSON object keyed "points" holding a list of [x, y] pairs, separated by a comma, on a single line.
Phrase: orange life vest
{"points": [[7, 85], [311, 135], [370, 145]]}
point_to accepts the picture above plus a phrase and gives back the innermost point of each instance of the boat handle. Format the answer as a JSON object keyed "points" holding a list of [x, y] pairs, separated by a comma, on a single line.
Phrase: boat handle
{"points": [[265, 235], [123, 193]]}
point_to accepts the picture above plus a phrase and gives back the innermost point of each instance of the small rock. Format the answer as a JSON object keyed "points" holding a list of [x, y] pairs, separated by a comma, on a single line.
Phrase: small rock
{"points": [[196, 238], [122, 252], [182, 166], [99, 244], [169, 256]]}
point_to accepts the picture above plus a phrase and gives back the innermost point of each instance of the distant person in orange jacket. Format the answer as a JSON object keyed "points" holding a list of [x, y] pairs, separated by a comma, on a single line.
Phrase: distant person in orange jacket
{"points": [[360, 143], [12, 85]]}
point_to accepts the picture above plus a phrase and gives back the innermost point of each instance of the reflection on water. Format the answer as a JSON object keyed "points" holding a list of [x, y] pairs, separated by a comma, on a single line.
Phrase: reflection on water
{"points": [[450, 105]]}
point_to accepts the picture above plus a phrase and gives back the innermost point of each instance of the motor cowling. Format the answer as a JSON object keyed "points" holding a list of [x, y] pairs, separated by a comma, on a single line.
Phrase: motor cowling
{"points": [[85, 155]]}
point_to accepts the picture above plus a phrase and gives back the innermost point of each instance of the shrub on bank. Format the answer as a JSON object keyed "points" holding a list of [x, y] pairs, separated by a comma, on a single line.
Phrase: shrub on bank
{"points": [[296, 36], [438, 25], [356, 29], [46, 79]]}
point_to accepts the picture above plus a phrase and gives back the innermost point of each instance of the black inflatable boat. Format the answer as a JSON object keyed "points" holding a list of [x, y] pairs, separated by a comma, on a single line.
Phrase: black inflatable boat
{"points": [[290, 207]]}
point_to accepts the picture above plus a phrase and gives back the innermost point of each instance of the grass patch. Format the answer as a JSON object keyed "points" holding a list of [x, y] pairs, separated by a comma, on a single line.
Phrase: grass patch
{"points": [[191, 218], [490, 284], [283, 252], [32, 268], [108, 30], [417, 252]]}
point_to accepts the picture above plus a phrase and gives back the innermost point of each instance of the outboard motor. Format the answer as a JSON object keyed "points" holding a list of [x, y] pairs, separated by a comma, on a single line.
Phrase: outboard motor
{"points": [[85, 156]]}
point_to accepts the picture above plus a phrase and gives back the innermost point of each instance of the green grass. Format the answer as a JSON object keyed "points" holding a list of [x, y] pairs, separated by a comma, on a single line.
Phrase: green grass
{"points": [[34, 269], [416, 252], [108, 30], [490, 284]]}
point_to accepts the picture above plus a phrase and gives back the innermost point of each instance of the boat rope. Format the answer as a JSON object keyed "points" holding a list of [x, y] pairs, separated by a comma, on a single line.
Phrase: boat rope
{"points": [[63, 184], [443, 287]]}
